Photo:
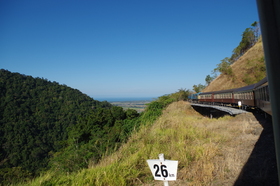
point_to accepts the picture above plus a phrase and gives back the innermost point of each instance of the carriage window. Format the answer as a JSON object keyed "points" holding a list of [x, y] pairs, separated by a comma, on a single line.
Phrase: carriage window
{"points": [[267, 91]]}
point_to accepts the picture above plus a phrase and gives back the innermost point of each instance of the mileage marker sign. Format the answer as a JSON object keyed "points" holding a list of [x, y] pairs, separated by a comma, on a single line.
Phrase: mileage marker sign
{"points": [[165, 170]]}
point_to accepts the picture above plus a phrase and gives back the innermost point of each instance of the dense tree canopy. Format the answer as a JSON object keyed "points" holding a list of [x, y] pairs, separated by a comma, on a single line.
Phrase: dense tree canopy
{"points": [[40, 120]]}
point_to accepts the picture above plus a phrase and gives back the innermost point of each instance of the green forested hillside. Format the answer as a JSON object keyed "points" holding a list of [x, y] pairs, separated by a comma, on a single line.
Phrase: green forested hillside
{"points": [[43, 124]]}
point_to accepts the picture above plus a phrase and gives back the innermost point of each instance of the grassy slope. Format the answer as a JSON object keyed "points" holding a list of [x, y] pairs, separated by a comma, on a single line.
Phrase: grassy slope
{"points": [[241, 70], [209, 152]]}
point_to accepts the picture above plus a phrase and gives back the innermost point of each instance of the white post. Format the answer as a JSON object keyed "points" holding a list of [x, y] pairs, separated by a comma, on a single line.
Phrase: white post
{"points": [[161, 158], [165, 183], [239, 104]]}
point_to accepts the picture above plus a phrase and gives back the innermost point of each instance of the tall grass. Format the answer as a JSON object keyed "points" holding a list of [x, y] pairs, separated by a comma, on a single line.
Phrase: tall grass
{"points": [[174, 134]]}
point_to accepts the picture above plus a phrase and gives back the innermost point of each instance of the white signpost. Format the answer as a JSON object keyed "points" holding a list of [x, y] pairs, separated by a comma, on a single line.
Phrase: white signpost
{"points": [[165, 170]]}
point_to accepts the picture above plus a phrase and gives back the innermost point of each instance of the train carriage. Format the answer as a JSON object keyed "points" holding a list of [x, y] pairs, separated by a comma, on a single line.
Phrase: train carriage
{"points": [[262, 99], [245, 95], [206, 97], [217, 97], [223, 97]]}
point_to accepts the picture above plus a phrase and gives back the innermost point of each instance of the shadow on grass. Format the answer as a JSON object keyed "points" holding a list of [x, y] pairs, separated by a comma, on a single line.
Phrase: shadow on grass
{"points": [[261, 167]]}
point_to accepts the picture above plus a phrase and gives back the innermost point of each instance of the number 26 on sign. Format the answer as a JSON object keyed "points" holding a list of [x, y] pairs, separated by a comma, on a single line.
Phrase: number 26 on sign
{"points": [[163, 170]]}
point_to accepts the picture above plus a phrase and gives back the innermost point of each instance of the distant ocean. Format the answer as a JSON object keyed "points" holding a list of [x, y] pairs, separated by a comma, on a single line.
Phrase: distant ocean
{"points": [[125, 99]]}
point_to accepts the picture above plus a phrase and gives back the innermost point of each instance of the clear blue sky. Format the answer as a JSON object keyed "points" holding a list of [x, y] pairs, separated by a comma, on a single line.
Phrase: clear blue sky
{"points": [[121, 48]]}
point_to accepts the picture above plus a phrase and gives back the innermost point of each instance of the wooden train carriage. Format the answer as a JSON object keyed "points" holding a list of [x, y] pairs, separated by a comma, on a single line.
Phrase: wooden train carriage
{"points": [[206, 97], [223, 96], [217, 97], [245, 95], [262, 99]]}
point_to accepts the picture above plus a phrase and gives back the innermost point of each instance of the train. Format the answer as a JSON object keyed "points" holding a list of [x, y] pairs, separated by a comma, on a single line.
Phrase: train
{"points": [[252, 96]]}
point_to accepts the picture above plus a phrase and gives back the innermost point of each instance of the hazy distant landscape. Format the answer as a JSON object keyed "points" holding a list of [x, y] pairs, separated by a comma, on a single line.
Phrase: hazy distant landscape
{"points": [[139, 106], [122, 99]]}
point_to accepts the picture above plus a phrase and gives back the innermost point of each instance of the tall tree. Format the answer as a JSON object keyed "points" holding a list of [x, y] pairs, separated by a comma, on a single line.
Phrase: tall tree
{"points": [[209, 79], [198, 88], [256, 29], [224, 67]]}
